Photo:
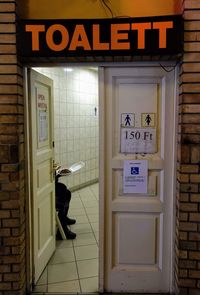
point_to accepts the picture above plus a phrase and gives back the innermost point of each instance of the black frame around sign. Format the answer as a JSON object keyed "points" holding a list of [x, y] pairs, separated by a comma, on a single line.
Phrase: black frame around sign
{"points": [[174, 37]]}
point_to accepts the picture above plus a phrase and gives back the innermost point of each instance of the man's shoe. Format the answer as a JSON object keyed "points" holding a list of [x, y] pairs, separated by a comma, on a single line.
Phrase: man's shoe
{"points": [[70, 221], [69, 234]]}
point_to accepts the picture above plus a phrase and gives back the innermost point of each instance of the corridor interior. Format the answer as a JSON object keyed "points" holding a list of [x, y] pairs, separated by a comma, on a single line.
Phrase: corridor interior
{"points": [[74, 266]]}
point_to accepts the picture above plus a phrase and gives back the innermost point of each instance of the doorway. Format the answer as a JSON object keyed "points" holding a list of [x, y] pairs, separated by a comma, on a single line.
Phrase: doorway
{"points": [[137, 229]]}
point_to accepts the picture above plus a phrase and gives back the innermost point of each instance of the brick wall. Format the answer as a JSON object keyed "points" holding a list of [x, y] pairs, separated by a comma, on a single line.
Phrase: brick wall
{"points": [[188, 184], [12, 201], [12, 213]]}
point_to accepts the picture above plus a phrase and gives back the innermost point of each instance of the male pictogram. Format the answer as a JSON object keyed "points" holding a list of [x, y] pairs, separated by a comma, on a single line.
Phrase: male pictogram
{"points": [[127, 120]]}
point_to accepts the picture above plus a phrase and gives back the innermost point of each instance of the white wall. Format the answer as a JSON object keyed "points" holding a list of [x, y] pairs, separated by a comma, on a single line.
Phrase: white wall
{"points": [[76, 126]]}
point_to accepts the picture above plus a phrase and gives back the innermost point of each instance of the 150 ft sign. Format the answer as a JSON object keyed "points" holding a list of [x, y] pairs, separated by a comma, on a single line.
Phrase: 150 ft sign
{"points": [[138, 140]]}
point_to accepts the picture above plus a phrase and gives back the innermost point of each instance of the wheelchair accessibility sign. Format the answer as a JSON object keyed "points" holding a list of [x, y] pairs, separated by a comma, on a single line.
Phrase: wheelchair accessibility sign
{"points": [[135, 170], [135, 176]]}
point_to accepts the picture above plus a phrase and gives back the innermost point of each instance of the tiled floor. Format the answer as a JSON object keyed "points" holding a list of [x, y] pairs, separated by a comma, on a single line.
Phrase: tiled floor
{"points": [[74, 266]]}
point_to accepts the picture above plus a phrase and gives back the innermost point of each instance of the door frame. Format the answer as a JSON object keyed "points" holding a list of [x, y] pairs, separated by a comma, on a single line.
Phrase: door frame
{"points": [[169, 65], [29, 235]]}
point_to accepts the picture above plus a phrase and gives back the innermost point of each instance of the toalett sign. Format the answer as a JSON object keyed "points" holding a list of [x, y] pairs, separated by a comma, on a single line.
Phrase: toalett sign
{"points": [[98, 37]]}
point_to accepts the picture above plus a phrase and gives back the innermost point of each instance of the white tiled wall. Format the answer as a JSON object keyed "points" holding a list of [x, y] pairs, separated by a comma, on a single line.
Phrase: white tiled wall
{"points": [[75, 122]]}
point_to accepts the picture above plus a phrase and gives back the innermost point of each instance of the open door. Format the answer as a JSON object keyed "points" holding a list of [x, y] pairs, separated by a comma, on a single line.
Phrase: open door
{"points": [[139, 125], [41, 175]]}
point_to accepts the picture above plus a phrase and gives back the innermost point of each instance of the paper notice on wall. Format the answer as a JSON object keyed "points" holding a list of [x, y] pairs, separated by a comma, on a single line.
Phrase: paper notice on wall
{"points": [[43, 125], [135, 176], [42, 110], [138, 140]]}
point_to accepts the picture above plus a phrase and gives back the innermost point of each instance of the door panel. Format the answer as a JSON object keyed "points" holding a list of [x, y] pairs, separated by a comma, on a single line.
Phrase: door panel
{"points": [[142, 232], [42, 178], [138, 236]]}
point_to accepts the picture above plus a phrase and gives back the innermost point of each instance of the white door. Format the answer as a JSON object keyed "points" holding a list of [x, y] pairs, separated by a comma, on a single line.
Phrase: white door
{"points": [[41, 166], [138, 224]]}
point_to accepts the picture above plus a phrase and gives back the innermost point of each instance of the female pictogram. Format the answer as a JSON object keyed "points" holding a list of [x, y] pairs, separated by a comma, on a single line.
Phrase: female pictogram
{"points": [[148, 119]]}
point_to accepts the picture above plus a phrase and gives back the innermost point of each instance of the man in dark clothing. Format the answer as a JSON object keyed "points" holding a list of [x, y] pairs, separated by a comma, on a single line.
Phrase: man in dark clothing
{"points": [[63, 197]]}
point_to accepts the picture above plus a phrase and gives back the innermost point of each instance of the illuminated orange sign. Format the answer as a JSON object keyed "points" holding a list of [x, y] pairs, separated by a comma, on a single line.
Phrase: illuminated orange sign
{"points": [[108, 36]]}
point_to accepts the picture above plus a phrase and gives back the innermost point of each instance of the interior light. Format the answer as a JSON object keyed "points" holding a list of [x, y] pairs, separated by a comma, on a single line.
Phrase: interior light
{"points": [[68, 69]]}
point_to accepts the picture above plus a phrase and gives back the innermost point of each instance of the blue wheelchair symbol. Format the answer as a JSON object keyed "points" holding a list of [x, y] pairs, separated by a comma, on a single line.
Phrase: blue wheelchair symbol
{"points": [[134, 170]]}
